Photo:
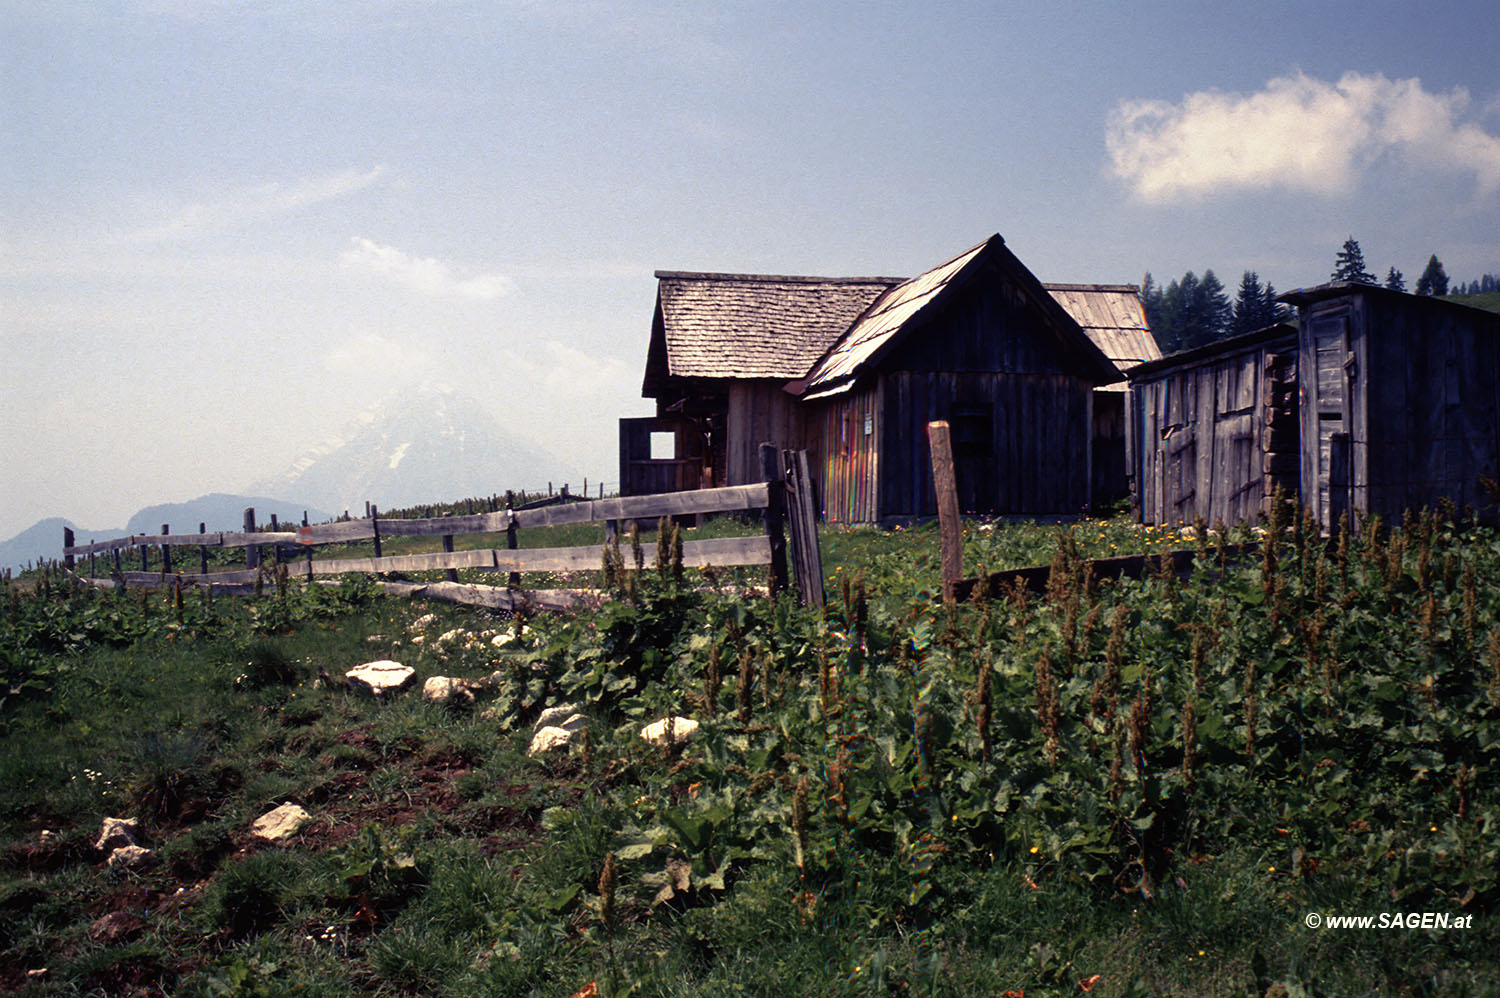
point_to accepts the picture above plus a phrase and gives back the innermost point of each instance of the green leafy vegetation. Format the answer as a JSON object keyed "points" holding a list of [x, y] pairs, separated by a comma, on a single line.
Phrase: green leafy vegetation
{"points": [[1127, 788]]}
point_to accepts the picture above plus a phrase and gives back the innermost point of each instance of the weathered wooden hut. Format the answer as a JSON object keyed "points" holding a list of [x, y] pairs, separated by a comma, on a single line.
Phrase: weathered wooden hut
{"points": [[722, 349], [976, 341], [1113, 316], [853, 368], [1213, 430], [1400, 401]]}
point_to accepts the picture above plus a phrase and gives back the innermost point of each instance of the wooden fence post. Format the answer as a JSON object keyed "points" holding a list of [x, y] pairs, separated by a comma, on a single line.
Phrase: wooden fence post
{"points": [[203, 551], [775, 478], [252, 551], [374, 525], [803, 518], [451, 574], [144, 549], [946, 485], [309, 551], [166, 551], [67, 543]]}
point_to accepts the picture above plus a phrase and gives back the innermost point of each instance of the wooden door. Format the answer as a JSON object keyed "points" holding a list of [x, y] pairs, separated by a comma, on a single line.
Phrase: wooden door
{"points": [[1331, 367]]}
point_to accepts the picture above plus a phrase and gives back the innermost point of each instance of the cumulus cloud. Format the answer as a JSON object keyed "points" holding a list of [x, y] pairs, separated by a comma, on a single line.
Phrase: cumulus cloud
{"points": [[256, 204], [1298, 133], [424, 275]]}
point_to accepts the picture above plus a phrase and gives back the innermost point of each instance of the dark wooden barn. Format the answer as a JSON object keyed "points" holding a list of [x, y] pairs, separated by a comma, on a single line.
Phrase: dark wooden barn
{"points": [[979, 342], [1399, 403], [1214, 429], [852, 369]]}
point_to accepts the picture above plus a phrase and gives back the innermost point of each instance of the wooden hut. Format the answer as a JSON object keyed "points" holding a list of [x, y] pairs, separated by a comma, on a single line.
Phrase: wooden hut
{"points": [[976, 341], [1213, 430], [723, 346], [1399, 404]]}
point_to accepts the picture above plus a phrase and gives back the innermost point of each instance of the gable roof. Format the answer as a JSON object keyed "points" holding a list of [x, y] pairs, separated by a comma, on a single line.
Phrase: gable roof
{"points": [[910, 303], [750, 325]]}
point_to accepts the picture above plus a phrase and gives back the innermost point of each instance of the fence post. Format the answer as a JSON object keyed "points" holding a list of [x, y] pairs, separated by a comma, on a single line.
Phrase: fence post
{"points": [[803, 516], [452, 574], [309, 551], [166, 551], [946, 485], [771, 472], [67, 543], [374, 525], [145, 548], [203, 551], [118, 572], [252, 551], [513, 580]]}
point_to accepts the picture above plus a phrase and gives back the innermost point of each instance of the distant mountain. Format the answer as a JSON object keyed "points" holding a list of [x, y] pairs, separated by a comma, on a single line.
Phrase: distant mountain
{"points": [[421, 446], [44, 539], [219, 511]]}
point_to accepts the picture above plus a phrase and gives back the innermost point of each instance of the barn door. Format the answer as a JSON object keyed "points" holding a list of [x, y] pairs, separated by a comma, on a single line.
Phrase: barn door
{"points": [[1235, 482], [660, 454], [1333, 368]]}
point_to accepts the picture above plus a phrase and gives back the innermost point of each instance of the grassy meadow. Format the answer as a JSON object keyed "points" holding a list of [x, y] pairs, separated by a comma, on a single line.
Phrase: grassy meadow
{"points": [[1142, 787]]}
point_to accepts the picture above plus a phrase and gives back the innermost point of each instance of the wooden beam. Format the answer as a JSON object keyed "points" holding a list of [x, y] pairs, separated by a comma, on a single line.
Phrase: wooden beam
{"points": [[946, 483]]}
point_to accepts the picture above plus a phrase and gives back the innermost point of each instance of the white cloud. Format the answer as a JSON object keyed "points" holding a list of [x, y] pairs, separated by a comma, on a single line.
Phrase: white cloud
{"points": [[425, 275], [255, 204], [1298, 133]]}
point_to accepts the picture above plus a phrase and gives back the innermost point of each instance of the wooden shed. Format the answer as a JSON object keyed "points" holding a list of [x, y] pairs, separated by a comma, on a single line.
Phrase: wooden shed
{"points": [[1213, 430], [979, 342], [1400, 400], [722, 349]]}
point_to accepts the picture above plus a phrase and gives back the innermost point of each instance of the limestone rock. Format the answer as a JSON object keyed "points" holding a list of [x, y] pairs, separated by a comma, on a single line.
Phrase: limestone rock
{"points": [[549, 739], [130, 857], [421, 623], [380, 677], [506, 637], [116, 927], [553, 715], [280, 823], [117, 832], [681, 731]]}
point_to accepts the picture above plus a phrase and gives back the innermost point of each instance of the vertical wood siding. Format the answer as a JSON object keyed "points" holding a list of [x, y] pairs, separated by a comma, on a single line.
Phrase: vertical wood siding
{"points": [[850, 455], [760, 412]]}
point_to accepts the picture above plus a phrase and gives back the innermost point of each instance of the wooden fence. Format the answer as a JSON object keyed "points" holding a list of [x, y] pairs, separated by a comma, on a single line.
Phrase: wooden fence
{"points": [[784, 500]]}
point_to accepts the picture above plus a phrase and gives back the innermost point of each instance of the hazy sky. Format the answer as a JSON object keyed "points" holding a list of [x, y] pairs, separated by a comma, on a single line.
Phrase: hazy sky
{"points": [[230, 223]]}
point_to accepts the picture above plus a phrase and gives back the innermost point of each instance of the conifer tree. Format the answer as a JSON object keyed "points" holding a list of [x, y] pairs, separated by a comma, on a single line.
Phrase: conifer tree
{"points": [[1253, 307], [1350, 265], [1394, 280], [1434, 281]]}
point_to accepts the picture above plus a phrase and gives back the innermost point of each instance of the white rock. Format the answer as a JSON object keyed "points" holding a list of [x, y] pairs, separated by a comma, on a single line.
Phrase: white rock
{"points": [[682, 731], [549, 739], [130, 856], [441, 689], [506, 637], [117, 832], [447, 637], [553, 715], [280, 823], [380, 677], [422, 622]]}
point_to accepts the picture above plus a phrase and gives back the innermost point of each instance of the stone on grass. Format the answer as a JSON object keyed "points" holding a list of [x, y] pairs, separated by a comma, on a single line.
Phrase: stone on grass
{"points": [[380, 677], [116, 927], [130, 857], [669, 730], [117, 832], [280, 823], [553, 716], [549, 739], [506, 637], [421, 622]]}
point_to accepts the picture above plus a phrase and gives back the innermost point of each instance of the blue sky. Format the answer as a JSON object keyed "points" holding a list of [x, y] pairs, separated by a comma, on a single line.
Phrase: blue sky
{"points": [[230, 224]]}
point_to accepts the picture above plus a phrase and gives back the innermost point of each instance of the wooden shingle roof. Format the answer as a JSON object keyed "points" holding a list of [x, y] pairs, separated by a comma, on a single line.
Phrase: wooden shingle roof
{"points": [[751, 325]]}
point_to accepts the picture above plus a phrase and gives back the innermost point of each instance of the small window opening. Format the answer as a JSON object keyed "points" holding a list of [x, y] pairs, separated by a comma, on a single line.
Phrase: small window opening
{"points": [[663, 446]]}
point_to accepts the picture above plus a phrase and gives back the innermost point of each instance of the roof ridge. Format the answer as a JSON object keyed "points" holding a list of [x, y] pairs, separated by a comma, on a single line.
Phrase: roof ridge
{"points": [[695, 275], [1133, 288]]}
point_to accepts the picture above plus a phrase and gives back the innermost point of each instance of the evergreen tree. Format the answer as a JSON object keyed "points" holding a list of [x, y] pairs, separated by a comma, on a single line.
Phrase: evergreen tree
{"points": [[1394, 280], [1275, 310], [1433, 280], [1253, 308], [1350, 265]]}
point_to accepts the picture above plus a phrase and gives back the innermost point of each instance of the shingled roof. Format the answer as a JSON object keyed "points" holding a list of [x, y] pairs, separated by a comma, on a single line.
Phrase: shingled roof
{"points": [[750, 325], [1114, 318]]}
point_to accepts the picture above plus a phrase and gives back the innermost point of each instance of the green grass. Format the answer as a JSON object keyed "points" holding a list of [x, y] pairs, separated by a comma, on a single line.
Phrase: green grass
{"points": [[955, 844]]}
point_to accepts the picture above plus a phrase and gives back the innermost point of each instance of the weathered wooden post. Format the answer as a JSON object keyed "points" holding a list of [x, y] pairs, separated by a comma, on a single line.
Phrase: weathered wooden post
{"points": [[451, 574], [252, 551], [308, 543], [803, 516], [166, 551], [203, 551], [144, 548], [946, 485], [374, 525], [68, 548], [513, 580], [775, 479]]}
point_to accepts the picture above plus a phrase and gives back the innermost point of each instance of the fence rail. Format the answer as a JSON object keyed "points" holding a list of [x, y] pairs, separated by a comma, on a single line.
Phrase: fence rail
{"points": [[785, 471]]}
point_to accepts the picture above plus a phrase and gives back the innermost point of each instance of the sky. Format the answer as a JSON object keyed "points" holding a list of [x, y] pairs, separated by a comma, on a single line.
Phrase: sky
{"points": [[227, 226]]}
